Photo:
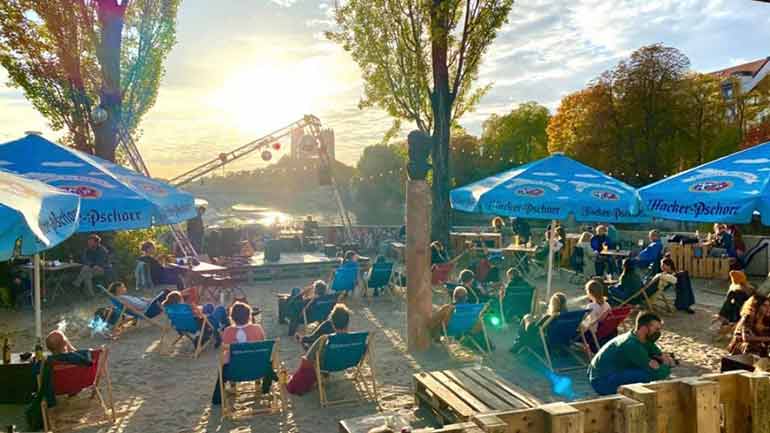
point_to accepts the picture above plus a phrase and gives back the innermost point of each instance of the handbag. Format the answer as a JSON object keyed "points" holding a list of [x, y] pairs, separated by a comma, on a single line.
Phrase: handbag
{"points": [[303, 379]]}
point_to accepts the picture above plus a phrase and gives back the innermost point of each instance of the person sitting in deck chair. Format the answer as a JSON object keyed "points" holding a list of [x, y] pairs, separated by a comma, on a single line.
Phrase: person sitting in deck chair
{"points": [[477, 293], [340, 320], [241, 330], [324, 328], [138, 303], [598, 309], [628, 284], [441, 317], [739, 292], [631, 357], [530, 327], [216, 314], [301, 300]]}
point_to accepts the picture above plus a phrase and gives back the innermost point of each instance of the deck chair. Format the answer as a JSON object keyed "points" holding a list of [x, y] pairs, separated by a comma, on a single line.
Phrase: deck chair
{"points": [[380, 276], [650, 295], [439, 273], [521, 299], [610, 323], [344, 280], [319, 309], [251, 362], [125, 316], [342, 352], [71, 383], [464, 318], [186, 324], [559, 333]]}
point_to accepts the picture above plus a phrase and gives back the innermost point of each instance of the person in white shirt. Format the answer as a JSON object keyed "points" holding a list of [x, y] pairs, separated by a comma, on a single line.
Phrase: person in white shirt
{"points": [[598, 307]]}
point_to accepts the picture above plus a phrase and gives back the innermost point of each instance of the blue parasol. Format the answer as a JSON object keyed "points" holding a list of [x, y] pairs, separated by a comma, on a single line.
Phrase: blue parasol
{"points": [[34, 217], [727, 190], [551, 188], [112, 197]]}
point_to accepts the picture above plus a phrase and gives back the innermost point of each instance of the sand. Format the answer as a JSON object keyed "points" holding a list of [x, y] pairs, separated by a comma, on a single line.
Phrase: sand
{"points": [[158, 393]]}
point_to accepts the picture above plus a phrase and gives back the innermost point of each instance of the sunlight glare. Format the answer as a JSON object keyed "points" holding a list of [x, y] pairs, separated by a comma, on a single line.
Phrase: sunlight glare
{"points": [[263, 97]]}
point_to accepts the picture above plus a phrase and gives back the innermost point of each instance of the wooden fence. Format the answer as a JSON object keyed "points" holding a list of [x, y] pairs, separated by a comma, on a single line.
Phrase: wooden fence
{"points": [[735, 402]]}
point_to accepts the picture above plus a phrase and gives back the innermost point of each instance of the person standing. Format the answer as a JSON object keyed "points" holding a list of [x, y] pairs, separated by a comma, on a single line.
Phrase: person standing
{"points": [[95, 263], [631, 357], [195, 230]]}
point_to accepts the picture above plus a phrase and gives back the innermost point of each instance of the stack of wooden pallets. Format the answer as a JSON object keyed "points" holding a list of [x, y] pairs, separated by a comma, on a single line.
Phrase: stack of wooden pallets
{"points": [[695, 259]]}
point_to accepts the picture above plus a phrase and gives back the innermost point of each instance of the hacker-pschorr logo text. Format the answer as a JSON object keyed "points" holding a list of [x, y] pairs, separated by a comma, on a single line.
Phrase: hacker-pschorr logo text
{"points": [[54, 221], [113, 216]]}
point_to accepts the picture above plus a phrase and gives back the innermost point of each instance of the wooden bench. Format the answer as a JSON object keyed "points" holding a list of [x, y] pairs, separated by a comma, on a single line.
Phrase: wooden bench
{"points": [[456, 395]]}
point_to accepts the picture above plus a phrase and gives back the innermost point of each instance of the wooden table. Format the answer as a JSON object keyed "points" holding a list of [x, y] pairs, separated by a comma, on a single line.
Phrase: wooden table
{"points": [[18, 381], [456, 395], [457, 240], [738, 362], [616, 253], [214, 280], [52, 278], [364, 424]]}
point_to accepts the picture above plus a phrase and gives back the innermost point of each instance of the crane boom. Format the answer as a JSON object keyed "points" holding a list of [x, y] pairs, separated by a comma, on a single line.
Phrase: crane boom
{"points": [[309, 121]]}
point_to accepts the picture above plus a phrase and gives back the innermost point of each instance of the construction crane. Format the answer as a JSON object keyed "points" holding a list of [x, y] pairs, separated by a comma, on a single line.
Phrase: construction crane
{"points": [[309, 123]]}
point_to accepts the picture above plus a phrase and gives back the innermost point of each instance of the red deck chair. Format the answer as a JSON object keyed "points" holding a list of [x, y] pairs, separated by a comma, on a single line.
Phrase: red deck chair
{"points": [[439, 273], [610, 323], [73, 381]]}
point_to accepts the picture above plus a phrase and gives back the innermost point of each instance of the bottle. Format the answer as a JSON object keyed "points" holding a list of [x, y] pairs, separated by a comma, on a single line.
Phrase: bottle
{"points": [[6, 351], [283, 377], [38, 352]]}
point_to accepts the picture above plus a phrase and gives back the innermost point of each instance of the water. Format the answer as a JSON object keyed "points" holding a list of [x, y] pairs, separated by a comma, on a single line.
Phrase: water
{"points": [[243, 214]]}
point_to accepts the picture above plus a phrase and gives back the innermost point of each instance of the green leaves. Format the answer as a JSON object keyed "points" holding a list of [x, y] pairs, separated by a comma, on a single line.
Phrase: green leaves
{"points": [[49, 49]]}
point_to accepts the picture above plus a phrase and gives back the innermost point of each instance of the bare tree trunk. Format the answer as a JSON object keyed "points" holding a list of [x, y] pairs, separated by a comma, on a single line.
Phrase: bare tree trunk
{"points": [[111, 16], [441, 104]]}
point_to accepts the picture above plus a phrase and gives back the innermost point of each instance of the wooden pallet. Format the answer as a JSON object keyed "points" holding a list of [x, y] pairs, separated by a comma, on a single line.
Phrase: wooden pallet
{"points": [[702, 266], [456, 395]]}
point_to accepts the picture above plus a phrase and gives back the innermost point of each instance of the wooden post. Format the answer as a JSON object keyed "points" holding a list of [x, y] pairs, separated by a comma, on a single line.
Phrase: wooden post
{"points": [[759, 385], [563, 418], [419, 295], [647, 397], [702, 406], [629, 416]]}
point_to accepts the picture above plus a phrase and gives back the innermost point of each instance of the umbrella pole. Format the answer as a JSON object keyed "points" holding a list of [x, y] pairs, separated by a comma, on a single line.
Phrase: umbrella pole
{"points": [[38, 308], [551, 237]]}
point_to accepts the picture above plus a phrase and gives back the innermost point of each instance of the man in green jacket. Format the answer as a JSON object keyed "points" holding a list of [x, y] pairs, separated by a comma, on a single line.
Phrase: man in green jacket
{"points": [[631, 357]]}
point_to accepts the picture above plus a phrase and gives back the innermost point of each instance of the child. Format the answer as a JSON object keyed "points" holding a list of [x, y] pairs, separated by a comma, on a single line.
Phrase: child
{"points": [[598, 309]]}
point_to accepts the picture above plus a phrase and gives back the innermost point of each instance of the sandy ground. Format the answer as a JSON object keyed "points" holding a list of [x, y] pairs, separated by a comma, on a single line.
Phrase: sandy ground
{"points": [[157, 393]]}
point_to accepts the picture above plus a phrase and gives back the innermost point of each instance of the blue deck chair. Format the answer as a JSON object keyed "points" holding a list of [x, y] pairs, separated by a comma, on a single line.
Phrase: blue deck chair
{"points": [[345, 279], [186, 324], [464, 318], [518, 301], [560, 333], [339, 353], [318, 310], [380, 276], [251, 362], [125, 316]]}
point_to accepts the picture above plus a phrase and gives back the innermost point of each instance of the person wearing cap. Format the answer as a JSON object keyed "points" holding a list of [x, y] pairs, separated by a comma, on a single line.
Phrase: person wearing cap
{"points": [[95, 263]]}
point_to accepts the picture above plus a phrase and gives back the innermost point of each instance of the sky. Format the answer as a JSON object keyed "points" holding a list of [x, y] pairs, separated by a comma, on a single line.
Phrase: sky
{"points": [[243, 68]]}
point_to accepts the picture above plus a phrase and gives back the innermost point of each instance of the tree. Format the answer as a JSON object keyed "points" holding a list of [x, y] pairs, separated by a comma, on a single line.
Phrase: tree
{"points": [[379, 189], [517, 137], [419, 59], [71, 57], [702, 121], [466, 163]]}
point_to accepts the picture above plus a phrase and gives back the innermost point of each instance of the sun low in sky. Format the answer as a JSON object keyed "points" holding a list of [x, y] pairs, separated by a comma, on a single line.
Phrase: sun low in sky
{"points": [[243, 68]]}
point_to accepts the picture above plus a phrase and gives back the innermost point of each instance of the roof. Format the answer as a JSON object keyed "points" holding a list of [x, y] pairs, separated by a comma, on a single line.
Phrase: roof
{"points": [[751, 69]]}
